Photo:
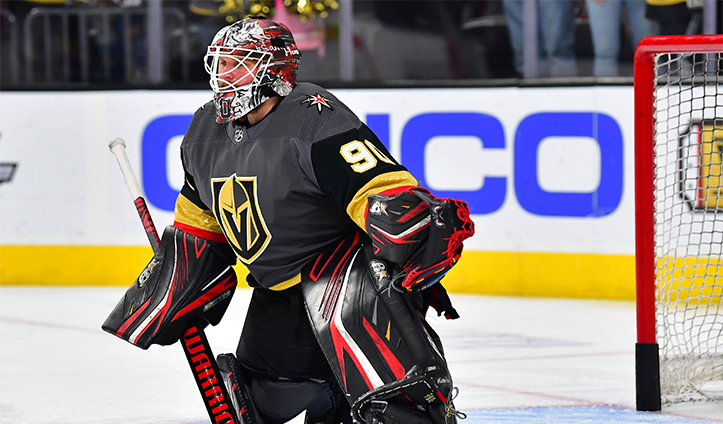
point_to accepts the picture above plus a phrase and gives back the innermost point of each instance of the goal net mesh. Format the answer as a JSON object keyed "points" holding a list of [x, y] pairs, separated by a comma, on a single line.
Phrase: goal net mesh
{"points": [[688, 113]]}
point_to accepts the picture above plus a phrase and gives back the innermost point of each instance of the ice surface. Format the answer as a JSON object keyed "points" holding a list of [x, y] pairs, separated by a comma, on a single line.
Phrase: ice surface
{"points": [[515, 360]]}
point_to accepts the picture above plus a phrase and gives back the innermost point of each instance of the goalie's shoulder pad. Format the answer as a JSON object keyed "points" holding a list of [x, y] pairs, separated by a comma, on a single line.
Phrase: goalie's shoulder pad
{"points": [[188, 278], [418, 231]]}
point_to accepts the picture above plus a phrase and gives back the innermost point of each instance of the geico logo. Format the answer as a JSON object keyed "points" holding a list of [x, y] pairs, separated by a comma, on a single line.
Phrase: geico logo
{"points": [[420, 129]]}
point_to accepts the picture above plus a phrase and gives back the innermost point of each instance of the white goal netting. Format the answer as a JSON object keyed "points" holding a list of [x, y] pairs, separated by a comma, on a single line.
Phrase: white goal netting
{"points": [[689, 225]]}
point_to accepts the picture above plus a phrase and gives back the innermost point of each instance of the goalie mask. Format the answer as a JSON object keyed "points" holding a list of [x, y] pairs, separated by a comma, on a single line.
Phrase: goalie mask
{"points": [[249, 62]]}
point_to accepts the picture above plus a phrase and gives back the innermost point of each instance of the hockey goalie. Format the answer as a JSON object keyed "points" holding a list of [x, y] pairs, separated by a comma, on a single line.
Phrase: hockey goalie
{"points": [[345, 251]]}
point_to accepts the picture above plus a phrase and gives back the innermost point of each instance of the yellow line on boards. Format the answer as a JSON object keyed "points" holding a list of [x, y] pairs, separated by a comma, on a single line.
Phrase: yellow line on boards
{"points": [[591, 276], [77, 265], [495, 273], [72, 265]]}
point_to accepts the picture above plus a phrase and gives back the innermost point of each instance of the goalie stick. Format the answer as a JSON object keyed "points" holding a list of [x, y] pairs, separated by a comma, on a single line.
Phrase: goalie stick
{"points": [[195, 345], [118, 147]]}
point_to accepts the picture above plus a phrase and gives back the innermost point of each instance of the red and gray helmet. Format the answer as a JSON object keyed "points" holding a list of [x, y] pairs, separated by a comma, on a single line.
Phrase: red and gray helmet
{"points": [[263, 52]]}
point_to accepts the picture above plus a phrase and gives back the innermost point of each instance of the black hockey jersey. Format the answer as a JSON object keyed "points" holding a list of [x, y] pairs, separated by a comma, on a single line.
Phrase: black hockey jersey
{"points": [[284, 189]]}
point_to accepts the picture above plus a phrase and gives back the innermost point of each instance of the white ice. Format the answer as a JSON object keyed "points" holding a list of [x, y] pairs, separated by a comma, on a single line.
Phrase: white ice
{"points": [[515, 360]]}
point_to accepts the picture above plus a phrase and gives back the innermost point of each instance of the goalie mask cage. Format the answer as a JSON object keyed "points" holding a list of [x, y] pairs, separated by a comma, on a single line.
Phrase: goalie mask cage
{"points": [[679, 219]]}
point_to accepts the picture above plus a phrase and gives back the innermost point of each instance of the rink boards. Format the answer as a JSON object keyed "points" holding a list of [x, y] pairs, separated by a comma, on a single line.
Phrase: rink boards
{"points": [[548, 174]]}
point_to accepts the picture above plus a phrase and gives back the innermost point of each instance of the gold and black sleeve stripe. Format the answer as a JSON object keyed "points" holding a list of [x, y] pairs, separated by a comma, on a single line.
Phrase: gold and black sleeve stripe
{"points": [[350, 166], [188, 213], [358, 206], [193, 216]]}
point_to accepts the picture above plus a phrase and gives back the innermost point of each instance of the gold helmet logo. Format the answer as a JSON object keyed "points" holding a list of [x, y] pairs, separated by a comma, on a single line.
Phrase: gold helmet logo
{"points": [[236, 207]]}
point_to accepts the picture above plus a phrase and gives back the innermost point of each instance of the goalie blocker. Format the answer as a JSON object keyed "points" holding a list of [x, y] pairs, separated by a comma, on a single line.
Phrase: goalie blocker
{"points": [[189, 278]]}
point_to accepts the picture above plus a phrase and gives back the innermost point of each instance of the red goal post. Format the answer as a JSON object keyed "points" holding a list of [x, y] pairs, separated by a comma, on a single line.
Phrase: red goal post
{"points": [[658, 74]]}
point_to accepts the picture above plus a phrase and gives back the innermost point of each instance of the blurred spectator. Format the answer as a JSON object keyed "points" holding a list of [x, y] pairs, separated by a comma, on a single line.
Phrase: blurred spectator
{"points": [[426, 40], [604, 18], [556, 36], [309, 34], [675, 17], [210, 16], [206, 18]]}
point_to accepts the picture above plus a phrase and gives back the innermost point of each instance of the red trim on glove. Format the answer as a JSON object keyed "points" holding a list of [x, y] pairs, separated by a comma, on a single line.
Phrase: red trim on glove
{"points": [[208, 235]]}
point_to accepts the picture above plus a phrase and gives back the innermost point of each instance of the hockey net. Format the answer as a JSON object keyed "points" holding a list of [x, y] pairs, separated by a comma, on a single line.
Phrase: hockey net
{"points": [[679, 218]]}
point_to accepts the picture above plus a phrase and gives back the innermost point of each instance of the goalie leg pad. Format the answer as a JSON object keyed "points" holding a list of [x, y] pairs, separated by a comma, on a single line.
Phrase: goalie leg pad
{"points": [[237, 389], [189, 278], [387, 404], [374, 337]]}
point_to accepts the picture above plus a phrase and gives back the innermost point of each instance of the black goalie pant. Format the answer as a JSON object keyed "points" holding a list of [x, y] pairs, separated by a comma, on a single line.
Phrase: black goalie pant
{"points": [[283, 366]]}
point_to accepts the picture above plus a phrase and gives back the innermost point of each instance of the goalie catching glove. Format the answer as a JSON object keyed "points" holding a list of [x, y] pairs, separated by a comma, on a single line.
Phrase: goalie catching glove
{"points": [[420, 232], [188, 278]]}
